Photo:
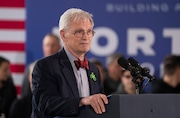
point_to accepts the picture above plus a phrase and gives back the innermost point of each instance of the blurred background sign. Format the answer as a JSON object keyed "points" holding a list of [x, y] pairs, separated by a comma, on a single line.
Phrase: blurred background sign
{"points": [[147, 31]]}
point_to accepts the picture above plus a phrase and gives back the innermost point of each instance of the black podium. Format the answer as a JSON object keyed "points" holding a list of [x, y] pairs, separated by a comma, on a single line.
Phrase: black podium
{"points": [[138, 106]]}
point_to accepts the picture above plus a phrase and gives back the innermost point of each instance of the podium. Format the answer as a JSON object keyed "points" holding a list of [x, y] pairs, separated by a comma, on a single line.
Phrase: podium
{"points": [[137, 106]]}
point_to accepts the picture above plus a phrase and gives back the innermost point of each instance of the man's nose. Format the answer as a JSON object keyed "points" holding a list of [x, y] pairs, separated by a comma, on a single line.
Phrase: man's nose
{"points": [[85, 36]]}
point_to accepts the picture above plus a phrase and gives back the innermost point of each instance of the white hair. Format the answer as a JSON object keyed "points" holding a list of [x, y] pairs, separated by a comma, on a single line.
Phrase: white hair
{"points": [[74, 14]]}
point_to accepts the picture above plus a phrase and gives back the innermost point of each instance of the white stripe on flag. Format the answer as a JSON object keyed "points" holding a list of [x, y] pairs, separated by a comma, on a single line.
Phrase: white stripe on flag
{"points": [[14, 57], [12, 13], [18, 78], [12, 35]]}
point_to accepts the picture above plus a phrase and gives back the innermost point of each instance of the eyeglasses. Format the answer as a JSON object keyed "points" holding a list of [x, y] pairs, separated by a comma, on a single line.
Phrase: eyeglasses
{"points": [[81, 33]]}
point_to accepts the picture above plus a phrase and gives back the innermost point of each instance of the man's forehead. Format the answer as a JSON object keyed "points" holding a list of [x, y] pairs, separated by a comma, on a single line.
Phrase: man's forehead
{"points": [[80, 21]]}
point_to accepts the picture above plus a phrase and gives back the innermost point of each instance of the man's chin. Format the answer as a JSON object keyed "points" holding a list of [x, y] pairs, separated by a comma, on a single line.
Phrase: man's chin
{"points": [[84, 51]]}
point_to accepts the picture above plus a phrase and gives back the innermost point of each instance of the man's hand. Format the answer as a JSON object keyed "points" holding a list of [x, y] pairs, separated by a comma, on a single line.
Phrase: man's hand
{"points": [[97, 102]]}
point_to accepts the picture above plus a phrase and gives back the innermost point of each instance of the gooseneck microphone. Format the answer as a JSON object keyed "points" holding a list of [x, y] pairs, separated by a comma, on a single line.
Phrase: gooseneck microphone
{"points": [[126, 65], [143, 71]]}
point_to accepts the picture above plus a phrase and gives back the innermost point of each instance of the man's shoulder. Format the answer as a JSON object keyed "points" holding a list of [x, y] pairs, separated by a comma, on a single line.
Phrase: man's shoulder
{"points": [[159, 86], [48, 59], [158, 82], [53, 58], [47, 62]]}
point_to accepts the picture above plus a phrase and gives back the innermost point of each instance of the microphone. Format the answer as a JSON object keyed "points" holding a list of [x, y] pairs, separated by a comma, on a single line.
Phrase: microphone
{"points": [[126, 65], [143, 71]]}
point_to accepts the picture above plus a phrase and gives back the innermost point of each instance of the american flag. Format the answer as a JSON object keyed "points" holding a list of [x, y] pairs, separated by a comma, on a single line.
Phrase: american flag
{"points": [[13, 37]]}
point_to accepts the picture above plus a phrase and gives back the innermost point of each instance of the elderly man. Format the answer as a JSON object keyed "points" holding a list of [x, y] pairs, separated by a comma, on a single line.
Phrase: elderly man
{"points": [[64, 82]]}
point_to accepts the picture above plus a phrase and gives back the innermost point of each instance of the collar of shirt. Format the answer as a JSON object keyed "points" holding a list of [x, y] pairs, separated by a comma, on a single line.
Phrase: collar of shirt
{"points": [[71, 57]]}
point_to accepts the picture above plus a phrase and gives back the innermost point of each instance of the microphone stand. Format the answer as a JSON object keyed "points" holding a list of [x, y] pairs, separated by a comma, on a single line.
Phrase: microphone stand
{"points": [[137, 88], [137, 79], [137, 84]]}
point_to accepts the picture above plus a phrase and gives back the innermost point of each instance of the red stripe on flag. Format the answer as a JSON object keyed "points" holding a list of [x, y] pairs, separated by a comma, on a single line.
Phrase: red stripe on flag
{"points": [[12, 3], [17, 68], [18, 90], [13, 46], [12, 24]]}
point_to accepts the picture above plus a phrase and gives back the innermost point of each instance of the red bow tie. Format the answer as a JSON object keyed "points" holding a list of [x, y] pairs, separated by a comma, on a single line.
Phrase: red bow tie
{"points": [[81, 64]]}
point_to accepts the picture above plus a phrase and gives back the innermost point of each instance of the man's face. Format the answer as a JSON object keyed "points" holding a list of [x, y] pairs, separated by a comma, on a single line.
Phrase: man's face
{"points": [[50, 46], [77, 45]]}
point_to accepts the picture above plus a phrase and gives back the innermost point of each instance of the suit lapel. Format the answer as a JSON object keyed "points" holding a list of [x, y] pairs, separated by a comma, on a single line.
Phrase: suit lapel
{"points": [[68, 73], [92, 83]]}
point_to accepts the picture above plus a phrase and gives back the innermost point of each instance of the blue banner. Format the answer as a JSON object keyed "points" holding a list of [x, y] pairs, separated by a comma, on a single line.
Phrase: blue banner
{"points": [[145, 30]]}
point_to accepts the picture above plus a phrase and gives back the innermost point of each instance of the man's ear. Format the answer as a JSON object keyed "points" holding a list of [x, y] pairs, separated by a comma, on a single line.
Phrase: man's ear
{"points": [[62, 34]]}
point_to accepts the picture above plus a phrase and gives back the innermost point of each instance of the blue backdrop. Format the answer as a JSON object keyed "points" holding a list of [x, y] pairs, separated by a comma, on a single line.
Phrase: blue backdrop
{"points": [[146, 30]]}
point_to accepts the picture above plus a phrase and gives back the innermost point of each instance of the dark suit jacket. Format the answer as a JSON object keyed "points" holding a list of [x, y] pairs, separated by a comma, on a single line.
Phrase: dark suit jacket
{"points": [[55, 91]]}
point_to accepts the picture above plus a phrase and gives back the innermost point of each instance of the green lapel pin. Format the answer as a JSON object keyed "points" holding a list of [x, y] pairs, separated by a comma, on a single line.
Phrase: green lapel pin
{"points": [[93, 77]]}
